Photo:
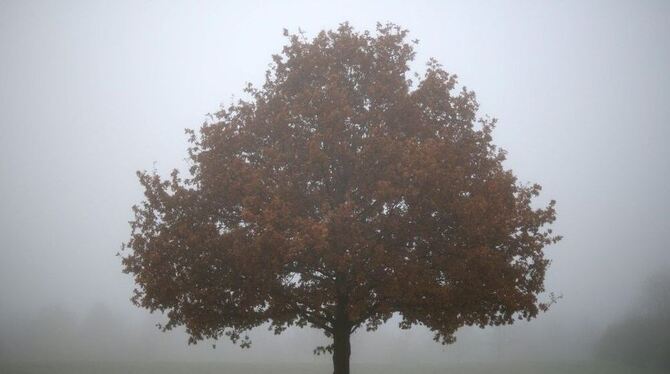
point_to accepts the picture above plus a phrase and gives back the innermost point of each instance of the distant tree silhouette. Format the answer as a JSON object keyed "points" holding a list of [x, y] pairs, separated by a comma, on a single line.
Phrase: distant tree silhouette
{"points": [[642, 338], [339, 194]]}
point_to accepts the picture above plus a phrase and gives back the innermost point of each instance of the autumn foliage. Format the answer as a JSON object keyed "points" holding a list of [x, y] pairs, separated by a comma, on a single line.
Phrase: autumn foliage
{"points": [[338, 194]]}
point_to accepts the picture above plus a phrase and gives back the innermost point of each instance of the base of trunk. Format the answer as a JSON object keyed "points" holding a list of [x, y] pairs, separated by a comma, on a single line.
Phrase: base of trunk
{"points": [[341, 352]]}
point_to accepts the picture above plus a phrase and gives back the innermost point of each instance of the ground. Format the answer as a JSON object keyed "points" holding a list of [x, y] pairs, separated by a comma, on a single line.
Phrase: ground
{"points": [[221, 368]]}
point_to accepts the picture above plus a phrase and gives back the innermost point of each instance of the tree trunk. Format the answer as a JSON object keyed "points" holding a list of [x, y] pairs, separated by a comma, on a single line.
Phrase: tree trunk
{"points": [[341, 349]]}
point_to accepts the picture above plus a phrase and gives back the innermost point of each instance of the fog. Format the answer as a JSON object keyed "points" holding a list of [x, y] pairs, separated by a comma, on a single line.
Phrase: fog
{"points": [[92, 91]]}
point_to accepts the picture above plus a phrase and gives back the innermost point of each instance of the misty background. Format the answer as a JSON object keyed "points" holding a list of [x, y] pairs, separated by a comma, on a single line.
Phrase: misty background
{"points": [[91, 91]]}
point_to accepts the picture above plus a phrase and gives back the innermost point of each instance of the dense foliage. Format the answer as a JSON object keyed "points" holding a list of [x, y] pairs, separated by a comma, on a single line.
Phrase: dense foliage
{"points": [[338, 194]]}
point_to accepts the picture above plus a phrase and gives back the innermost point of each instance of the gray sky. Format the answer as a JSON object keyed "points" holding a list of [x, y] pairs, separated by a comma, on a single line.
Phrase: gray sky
{"points": [[92, 91]]}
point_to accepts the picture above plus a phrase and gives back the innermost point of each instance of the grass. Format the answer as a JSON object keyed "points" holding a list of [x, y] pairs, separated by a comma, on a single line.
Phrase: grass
{"points": [[243, 368]]}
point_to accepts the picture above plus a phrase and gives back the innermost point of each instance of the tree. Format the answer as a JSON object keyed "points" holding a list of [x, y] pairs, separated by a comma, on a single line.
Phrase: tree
{"points": [[642, 337], [337, 195]]}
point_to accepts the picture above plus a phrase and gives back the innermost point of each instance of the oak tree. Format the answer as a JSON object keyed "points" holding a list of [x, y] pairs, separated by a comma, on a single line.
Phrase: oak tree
{"points": [[338, 194]]}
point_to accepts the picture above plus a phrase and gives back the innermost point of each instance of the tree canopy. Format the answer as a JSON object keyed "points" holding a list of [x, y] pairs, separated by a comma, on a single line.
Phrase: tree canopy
{"points": [[342, 191]]}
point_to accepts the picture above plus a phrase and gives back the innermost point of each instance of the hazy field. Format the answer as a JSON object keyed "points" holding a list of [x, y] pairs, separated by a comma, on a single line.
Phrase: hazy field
{"points": [[219, 368]]}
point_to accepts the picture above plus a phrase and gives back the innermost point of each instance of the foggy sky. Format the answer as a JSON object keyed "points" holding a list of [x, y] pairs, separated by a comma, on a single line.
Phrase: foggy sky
{"points": [[92, 91]]}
